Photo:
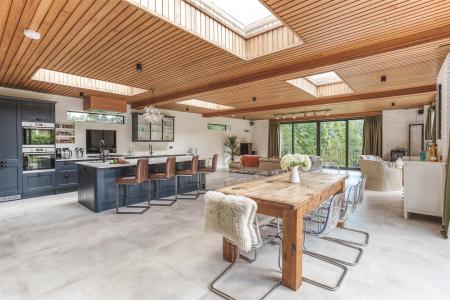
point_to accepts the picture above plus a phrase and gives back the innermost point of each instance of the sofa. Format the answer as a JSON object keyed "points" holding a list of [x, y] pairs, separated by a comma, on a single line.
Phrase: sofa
{"points": [[382, 176], [254, 164]]}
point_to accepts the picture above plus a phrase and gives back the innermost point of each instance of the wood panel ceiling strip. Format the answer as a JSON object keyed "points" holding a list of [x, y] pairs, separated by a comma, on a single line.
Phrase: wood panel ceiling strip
{"points": [[124, 20], [46, 28], [18, 36], [329, 100], [71, 13], [4, 13], [38, 17], [109, 14], [12, 24], [96, 12], [126, 30], [365, 51]]}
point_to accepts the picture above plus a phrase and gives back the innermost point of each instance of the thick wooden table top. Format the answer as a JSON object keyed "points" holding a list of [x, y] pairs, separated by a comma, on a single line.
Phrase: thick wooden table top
{"points": [[278, 189]]}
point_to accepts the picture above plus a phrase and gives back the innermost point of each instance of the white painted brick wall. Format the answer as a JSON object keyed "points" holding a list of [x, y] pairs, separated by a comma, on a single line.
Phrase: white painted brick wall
{"points": [[396, 127], [444, 79]]}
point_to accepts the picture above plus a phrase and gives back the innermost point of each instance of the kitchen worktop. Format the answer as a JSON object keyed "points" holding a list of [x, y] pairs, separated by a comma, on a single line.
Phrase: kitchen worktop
{"points": [[132, 161], [126, 157]]}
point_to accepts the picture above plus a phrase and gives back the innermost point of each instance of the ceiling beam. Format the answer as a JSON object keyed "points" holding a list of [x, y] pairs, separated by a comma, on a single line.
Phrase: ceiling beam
{"points": [[407, 41], [327, 100], [330, 117]]}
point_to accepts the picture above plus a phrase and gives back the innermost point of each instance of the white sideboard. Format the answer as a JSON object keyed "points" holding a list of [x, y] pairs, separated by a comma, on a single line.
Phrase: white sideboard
{"points": [[424, 187]]}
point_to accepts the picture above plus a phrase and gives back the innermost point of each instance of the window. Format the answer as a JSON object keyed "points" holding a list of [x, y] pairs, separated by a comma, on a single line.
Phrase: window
{"points": [[337, 141], [325, 78], [204, 104], [95, 117], [217, 127]]}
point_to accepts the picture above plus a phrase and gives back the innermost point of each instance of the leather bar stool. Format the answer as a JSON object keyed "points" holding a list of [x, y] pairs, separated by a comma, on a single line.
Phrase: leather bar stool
{"points": [[208, 170], [193, 171], [168, 174], [140, 177]]}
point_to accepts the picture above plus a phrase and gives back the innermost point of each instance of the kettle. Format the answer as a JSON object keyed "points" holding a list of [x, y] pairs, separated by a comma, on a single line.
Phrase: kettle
{"points": [[67, 153]]}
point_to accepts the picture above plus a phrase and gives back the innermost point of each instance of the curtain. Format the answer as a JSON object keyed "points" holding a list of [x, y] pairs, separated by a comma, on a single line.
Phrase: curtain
{"points": [[446, 216], [430, 125], [274, 139], [372, 136]]}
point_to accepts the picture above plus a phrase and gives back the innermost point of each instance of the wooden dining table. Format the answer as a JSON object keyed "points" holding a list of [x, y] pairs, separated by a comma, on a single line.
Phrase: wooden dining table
{"points": [[276, 196]]}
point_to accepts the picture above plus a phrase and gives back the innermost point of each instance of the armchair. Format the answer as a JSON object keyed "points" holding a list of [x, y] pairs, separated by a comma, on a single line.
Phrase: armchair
{"points": [[381, 176]]}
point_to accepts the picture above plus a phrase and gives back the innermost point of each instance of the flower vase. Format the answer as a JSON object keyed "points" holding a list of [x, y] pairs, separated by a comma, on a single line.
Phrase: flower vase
{"points": [[295, 177]]}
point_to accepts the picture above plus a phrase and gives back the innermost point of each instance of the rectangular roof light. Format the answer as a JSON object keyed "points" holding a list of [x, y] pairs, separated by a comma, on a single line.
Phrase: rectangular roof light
{"points": [[204, 104], [324, 78], [85, 82]]}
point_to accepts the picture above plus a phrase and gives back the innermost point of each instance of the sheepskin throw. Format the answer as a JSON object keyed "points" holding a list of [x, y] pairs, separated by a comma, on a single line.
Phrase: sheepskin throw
{"points": [[233, 217]]}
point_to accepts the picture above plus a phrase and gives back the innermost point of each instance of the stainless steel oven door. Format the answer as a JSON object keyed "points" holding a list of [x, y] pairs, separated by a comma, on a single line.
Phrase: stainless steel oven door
{"points": [[35, 159], [38, 136]]}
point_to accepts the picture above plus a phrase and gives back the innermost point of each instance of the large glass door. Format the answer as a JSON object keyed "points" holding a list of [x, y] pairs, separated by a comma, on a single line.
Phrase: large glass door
{"points": [[305, 138], [333, 142]]}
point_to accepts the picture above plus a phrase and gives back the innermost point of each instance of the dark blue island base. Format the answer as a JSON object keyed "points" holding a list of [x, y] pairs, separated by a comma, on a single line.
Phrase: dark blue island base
{"points": [[97, 186]]}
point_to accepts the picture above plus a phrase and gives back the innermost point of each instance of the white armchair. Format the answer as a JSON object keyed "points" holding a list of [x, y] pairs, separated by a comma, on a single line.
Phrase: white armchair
{"points": [[381, 176]]}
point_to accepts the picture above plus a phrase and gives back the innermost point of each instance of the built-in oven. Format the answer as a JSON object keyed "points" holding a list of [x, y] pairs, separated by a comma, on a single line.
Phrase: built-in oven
{"points": [[38, 159], [38, 134]]}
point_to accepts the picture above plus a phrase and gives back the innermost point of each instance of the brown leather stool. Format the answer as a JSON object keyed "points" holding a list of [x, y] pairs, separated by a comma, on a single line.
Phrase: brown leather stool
{"points": [[168, 174], [185, 173], [208, 170], [140, 177]]}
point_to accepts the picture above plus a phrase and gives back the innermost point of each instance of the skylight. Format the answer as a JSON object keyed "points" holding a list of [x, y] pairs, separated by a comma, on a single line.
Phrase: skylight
{"points": [[244, 12], [324, 78], [204, 104], [85, 83]]}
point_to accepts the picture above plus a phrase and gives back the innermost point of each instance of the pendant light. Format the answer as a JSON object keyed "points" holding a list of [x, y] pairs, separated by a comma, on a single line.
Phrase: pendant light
{"points": [[151, 113]]}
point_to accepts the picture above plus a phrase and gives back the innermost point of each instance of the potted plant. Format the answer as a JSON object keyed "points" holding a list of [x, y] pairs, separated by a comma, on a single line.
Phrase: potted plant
{"points": [[232, 146], [292, 162]]}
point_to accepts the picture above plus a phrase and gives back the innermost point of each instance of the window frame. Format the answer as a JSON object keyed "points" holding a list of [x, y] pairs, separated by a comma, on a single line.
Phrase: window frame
{"points": [[96, 113], [318, 122]]}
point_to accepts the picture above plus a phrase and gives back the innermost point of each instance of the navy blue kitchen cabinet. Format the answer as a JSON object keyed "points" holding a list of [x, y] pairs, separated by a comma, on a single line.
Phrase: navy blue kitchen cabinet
{"points": [[38, 184], [10, 149], [66, 176], [37, 111]]}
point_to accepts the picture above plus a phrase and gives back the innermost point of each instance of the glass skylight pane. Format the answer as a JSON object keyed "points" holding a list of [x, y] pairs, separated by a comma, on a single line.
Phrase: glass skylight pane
{"points": [[204, 104], [243, 11], [85, 82], [324, 78]]}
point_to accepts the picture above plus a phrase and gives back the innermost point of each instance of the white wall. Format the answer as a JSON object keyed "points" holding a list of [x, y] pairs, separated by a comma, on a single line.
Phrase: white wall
{"points": [[396, 128], [443, 78], [190, 129], [260, 137]]}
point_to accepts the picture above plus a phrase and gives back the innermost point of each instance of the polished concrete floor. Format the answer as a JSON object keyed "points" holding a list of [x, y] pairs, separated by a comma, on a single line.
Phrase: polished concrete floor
{"points": [[53, 248]]}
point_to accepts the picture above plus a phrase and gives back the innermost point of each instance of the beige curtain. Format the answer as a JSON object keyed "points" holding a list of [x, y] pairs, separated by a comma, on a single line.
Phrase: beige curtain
{"points": [[446, 217], [430, 125], [372, 136], [274, 139]]}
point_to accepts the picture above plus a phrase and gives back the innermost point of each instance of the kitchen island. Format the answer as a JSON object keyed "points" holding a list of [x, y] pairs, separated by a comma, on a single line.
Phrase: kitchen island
{"points": [[97, 181]]}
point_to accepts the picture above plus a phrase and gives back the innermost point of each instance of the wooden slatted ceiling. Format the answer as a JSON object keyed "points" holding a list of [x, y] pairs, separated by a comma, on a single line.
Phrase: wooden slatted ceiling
{"points": [[104, 39]]}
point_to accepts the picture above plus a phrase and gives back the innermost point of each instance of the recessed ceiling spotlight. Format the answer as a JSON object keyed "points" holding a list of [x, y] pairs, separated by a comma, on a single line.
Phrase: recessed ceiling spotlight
{"points": [[328, 113], [294, 116], [138, 67], [34, 35], [383, 78], [278, 117], [254, 99]]}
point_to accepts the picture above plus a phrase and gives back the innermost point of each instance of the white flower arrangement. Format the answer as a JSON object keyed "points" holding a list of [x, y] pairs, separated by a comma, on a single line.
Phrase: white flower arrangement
{"points": [[289, 161]]}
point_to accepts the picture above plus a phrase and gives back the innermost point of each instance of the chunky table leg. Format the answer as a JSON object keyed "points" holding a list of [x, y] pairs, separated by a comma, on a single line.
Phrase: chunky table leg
{"points": [[230, 251], [292, 248]]}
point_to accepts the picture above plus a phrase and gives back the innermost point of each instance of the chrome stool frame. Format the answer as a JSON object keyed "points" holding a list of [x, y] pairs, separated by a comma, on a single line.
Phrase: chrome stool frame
{"points": [[189, 173]]}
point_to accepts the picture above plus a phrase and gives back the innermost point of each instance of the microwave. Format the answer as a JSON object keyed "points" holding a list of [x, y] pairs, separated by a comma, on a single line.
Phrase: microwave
{"points": [[38, 134]]}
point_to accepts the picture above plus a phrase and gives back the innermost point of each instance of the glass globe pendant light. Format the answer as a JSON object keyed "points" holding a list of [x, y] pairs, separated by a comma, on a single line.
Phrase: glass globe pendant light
{"points": [[151, 113]]}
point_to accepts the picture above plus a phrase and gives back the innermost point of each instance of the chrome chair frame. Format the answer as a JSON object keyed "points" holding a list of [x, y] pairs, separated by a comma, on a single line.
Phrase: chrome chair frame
{"points": [[261, 242], [158, 199], [144, 207], [349, 207], [330, 165], [186, 196]]}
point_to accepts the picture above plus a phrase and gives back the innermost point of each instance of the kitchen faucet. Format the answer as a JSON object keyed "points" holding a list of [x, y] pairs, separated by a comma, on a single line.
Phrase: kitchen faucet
{"points": [[102, 153], [150, 149]]}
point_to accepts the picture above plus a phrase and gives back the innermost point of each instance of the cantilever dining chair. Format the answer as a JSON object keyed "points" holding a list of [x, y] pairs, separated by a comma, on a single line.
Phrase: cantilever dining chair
{"points": [[354, 198], [215, 203]]}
